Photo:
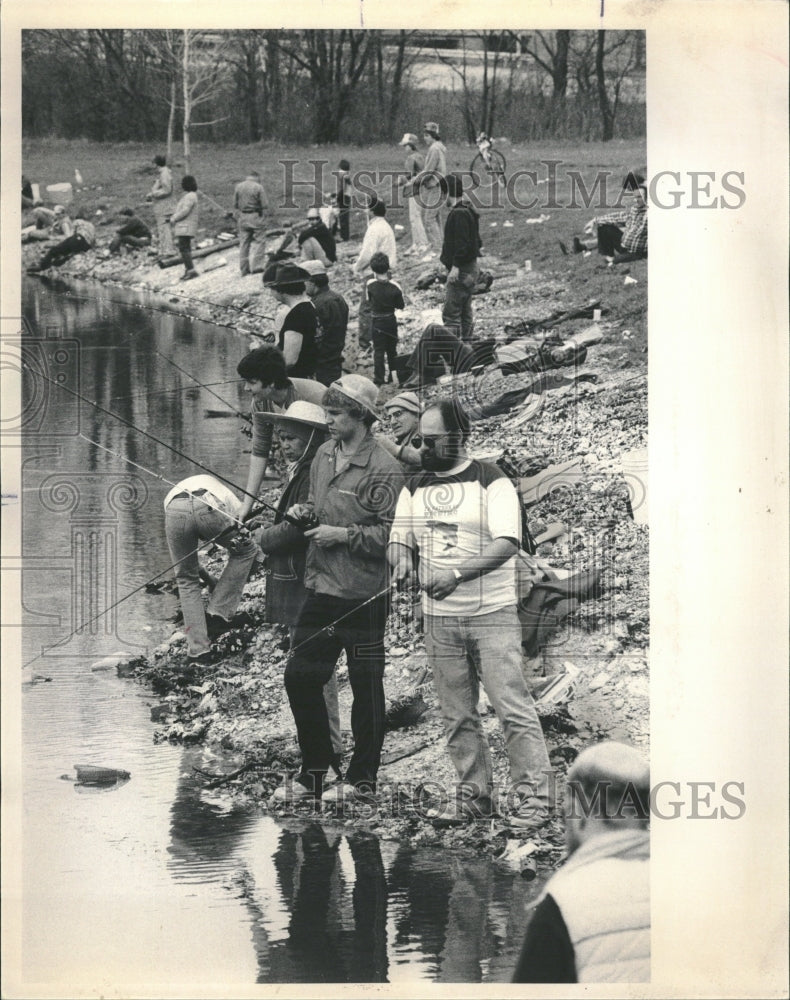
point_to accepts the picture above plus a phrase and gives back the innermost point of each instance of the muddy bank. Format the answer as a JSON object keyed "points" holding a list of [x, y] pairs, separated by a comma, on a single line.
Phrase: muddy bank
{"points": [[239, 708]]}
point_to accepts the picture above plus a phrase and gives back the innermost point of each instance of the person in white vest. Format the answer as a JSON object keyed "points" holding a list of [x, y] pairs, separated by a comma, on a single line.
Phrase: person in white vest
{"points": [[592, 923]]}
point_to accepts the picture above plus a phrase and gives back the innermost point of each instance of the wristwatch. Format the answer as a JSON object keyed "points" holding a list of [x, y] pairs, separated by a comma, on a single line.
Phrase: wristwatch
{"points": [[457, 575]]}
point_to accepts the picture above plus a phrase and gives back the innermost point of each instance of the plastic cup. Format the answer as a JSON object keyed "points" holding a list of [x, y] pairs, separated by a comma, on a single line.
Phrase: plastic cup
{"points": [[527, 265], [596, 315]]}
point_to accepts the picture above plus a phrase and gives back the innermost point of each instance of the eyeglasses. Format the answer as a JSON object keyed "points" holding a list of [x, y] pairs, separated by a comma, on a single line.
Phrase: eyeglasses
{"points": [[429, 441]]}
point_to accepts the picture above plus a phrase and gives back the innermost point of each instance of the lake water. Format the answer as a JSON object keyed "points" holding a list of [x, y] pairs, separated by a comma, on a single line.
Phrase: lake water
{"points": [[157, 880]]}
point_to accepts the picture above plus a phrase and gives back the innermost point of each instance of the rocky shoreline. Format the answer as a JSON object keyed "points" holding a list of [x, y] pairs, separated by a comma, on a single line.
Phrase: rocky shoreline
{"points": [[238, 709]]}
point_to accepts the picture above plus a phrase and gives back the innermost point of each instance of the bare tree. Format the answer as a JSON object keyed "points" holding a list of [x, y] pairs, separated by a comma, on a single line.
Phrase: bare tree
{"points": [[551, 54], [335, 62], [624, 49], [478, 102]]}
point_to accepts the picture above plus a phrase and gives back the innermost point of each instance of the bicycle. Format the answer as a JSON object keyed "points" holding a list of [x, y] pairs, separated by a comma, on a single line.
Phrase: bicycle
{"points": [[488, 166]]}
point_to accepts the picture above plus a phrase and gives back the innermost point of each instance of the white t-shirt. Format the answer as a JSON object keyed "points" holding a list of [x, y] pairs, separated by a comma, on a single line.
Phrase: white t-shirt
{"points": [[220, 495], [451, 518]]}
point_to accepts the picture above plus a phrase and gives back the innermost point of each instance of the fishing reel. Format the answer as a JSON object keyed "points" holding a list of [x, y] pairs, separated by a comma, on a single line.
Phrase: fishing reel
{"points": [[306, 523]]}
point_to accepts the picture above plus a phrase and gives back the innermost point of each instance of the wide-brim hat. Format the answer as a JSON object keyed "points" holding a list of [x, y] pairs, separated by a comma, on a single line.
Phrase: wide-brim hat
{"points": [[359, 388], [409, 401], [299, 412], [313, 267], [286, 274], [409, 139]]}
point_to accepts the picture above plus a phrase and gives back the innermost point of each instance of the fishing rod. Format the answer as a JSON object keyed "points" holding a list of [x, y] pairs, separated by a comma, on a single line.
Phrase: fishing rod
{"points": [[168, 569], [184, 388], [153, 437], [202, 386]]}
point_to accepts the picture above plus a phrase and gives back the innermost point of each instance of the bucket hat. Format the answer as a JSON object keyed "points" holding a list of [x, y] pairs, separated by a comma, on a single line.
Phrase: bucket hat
{"points": [[286, 274], [409, 139], [299, 412]]}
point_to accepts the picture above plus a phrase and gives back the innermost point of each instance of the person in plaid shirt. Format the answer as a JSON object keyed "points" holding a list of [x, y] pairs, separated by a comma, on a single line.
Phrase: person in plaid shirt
{"points": [[622, 235]]}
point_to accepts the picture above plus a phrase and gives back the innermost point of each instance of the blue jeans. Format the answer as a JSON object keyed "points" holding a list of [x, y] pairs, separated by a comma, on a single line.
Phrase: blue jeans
{"points": [[462, 652], [188, 522], [457, 310]]}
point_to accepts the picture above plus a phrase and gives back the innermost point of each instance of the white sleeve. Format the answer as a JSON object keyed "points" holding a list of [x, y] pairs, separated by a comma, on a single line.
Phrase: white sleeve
{"points": [[402, 531], [504, 512]]}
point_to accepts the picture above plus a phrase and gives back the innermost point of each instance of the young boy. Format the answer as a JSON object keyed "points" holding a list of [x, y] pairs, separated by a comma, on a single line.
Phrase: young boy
{"points": [[384, 297]]}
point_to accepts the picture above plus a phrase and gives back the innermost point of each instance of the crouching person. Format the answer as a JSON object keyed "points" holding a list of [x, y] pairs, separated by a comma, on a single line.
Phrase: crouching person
{"points": [[462, 518], [592, 924], [301, 429], [353, 488], [198, 510]]}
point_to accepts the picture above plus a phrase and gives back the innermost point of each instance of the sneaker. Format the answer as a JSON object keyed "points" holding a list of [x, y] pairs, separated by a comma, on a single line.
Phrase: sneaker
{"points": [[528, 814], [189, 275], [343, 794], [202, 659], [290, 792], [459, 813]]}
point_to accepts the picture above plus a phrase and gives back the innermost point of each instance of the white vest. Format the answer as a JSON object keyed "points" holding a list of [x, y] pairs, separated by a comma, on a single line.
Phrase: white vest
{"points": [[605, 904]]}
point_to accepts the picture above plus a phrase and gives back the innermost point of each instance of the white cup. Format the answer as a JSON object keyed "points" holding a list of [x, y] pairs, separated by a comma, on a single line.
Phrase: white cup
{"points": [[527, 265], [596, 315]]}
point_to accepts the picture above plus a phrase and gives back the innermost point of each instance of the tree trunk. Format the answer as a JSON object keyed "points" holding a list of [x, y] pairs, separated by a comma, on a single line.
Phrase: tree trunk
{"points": [[171, 120], [559, 76], [607, 118], [187, 104]]}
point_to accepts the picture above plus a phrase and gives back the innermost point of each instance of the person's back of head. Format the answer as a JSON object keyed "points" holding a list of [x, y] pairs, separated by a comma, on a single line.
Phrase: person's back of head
{"points": [[266, 365], [608, 788], [188, 183], [160, 160], [380, 264], [344, 165], [377, 208]]}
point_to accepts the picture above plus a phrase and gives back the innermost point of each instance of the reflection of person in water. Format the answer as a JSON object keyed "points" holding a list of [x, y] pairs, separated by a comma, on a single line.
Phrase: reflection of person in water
{"points": [[321, 946]]}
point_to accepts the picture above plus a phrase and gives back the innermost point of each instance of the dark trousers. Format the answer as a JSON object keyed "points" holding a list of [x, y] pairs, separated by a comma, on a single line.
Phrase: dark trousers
{"points": [[385, 342], [326, 376], [128, 241], [344, 221], [310, 665], [62, 251], [185, 249], [609, 239]]}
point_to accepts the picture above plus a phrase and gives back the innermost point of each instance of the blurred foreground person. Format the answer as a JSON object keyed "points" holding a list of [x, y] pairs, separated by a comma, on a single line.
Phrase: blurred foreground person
{"points": [[592, 924]]}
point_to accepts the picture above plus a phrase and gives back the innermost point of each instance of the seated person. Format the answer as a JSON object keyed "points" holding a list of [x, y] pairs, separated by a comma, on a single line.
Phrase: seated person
{"points": [[621, 235], [316, 242], [133, 232], [440, 352], [404, 412], [37, 224], [80, 236]]}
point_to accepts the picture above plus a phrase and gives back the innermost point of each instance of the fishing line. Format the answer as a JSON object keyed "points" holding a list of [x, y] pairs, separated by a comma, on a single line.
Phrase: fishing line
{"points": [[202, 386]]}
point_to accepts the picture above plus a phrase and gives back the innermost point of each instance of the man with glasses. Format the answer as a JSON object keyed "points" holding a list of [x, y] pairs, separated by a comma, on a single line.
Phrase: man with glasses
{"points": [[463, 519]]}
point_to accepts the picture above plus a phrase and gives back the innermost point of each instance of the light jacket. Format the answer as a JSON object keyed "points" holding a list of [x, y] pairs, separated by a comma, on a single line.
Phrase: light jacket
{"points": [[185, 216], [603, 892]]}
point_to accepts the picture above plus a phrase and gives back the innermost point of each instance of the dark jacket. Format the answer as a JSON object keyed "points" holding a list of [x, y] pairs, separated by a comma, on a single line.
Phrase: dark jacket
{"points": [[286, 549], [461, 237], [318, 231]]}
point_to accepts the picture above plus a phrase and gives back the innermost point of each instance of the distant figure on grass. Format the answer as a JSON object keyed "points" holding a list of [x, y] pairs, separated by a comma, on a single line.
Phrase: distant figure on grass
{"points": [[202, 509], [462, 517], [184, 224], [427, 185], [161, 195], [133, 233], [332, 312], [621, 235], [379, 238], [301, 429], [250, 203], [460, 250], [272, 391], [353, 486], [415, 162], [383, 297], [592, 923], [316, 242], [80, 236], [297, 336], [343, 199]]}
